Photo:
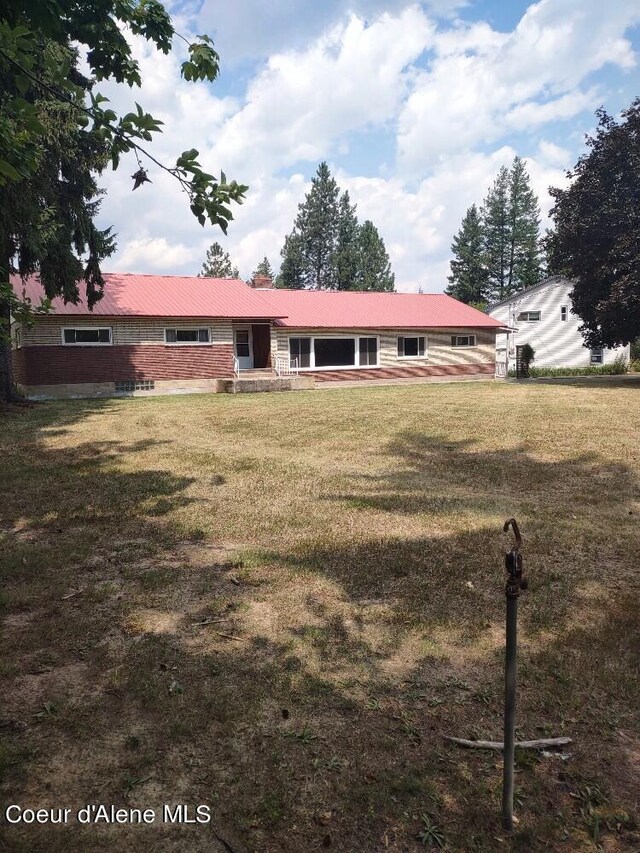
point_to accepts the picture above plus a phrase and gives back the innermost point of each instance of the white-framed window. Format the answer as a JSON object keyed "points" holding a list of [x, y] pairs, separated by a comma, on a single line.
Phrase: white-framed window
{"points": [[368, 348], [563, 312], [412, 347], [86, 336], [326, 352], [187, 336], [596, 355], [529, 316], [463, 340]]}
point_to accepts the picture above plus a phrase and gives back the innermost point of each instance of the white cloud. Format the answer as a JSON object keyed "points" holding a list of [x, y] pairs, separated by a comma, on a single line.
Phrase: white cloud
{"points": [[152, 253], [302, 103], [458, 99], [481, 84]]}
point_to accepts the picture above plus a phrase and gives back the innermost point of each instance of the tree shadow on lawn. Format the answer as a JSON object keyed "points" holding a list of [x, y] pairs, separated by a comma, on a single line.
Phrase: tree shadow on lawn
{"points": [[575, 515], [117, 695]]}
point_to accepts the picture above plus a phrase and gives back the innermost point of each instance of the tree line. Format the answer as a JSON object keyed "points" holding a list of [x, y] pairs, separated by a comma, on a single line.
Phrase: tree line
{"points": [[327, 249], [498, 251]]}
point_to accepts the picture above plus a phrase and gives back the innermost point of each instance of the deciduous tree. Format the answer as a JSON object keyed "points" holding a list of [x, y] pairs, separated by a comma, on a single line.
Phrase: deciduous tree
{"points": [[39, 62], [596, 240]]}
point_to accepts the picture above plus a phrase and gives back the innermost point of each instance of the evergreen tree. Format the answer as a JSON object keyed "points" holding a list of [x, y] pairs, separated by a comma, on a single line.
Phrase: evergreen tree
{"points": [[291, 276], [46, 221], [511, 222], [524, 225], [218, 264], [346, 254], [263, 268], [374, 269], [495, 227], [316, 225], [468, 279]]}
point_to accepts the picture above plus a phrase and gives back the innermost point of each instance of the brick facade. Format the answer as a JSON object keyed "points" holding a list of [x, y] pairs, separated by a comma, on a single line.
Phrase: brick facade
{"points": [[51, 365], [401, 372]]}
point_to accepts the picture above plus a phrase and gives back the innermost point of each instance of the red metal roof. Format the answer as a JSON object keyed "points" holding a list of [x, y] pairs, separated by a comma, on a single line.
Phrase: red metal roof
{"points": [[312, 309], [128, 295]]}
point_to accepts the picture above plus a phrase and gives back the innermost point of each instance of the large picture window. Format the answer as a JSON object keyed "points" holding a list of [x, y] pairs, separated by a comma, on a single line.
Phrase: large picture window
{"points": [[326, 352], [86, 336], [411, 347], [335, 352], [187, 336]]}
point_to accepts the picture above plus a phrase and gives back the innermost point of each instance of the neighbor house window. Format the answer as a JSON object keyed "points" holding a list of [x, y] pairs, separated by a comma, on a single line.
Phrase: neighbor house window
{"points": [[300, 351], [563, 312], [529, 316], [368, 348], [411, 347], [463, 340], [596, 355], [87, 336], [187, 336]]}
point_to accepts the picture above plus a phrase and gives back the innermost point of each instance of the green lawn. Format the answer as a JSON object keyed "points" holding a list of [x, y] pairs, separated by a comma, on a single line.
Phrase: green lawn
{"points": [[279, 604]]}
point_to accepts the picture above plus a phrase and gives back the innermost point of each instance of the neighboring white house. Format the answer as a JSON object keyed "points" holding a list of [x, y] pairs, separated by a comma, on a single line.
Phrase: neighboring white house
{"points": [[541, 316]]}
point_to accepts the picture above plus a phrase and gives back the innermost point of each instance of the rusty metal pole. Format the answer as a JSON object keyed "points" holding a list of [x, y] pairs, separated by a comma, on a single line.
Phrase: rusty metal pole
{"points": [[515, 582]]}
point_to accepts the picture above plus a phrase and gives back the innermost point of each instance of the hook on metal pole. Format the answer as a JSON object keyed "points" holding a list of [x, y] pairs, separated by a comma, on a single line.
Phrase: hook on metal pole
{"points": [[515, 582]]}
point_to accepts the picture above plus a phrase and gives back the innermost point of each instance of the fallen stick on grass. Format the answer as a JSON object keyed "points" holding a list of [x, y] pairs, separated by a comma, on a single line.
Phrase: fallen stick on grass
{"points": [[229, 636], [543, 743], [208, 622], [72, 594]]}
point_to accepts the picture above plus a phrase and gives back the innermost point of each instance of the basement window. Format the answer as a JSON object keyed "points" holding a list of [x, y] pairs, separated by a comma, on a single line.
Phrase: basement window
{"points": [[412, 347], [130, 385], [86, 336], [187, 336], [463, 340]]}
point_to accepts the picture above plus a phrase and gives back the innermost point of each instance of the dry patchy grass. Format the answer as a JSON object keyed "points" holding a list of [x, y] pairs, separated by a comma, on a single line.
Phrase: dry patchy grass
{"points": [[279, 604]]}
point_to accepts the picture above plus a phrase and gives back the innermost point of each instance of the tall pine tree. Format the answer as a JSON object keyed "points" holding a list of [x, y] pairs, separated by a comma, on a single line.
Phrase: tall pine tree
{"points": [[511, 224], [374, 269], [495, 227], [468, 278], [347, 245], [328, 249], [316, 225], [524, 223], [291, 275], [218, 264], [263, 268]]}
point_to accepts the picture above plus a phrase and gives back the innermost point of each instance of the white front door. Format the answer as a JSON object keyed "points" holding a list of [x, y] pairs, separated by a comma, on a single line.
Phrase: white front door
{"points": [[243, 347]]}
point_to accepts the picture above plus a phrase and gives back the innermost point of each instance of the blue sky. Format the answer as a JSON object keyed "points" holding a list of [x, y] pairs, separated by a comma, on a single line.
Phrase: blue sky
{"points": [[415, 106]]}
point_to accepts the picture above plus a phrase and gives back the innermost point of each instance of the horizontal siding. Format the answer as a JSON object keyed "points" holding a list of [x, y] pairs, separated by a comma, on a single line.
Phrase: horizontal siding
{"points": [[47, 331], [48, 365], [439, 349], [18, 366], [413, 372], [556, 342]]}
